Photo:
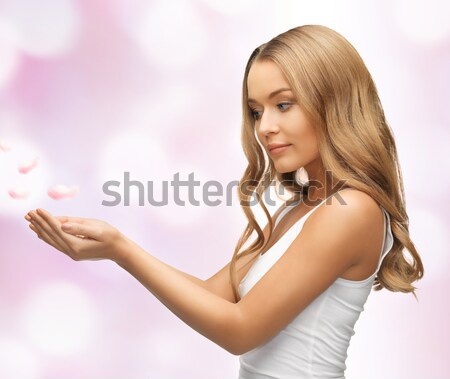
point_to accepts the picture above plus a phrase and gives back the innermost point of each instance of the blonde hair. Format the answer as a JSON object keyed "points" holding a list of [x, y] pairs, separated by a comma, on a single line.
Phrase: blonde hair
{"points": [[336, 91]]}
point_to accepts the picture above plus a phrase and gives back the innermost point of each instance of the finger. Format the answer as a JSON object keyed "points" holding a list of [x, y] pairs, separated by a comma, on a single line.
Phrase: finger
{"points": [[88, 231], [76, 247], [51, 220], [38, 227], [50, 231], [42, 236], [33, 228], [83, 231], [64, 219], [70, 248]]}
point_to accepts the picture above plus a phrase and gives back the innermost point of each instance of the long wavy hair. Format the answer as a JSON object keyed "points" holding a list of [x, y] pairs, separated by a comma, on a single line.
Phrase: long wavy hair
{"points": [[331, 82]]}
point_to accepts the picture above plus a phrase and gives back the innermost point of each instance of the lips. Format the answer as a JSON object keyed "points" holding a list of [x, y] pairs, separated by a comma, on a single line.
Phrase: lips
{"points": [[272, 146]]}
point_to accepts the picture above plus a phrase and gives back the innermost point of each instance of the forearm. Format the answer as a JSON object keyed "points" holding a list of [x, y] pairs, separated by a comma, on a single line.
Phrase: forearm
{"points": [[192, 278], [184, 295]]}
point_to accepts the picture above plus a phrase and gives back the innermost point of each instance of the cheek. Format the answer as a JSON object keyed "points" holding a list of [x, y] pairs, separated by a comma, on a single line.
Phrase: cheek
{"points": [[306, 141], [304, 135]]}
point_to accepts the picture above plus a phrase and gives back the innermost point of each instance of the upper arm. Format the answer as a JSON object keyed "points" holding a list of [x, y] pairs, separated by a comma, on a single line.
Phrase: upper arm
{"points": [[220, 282], [328, 244]]}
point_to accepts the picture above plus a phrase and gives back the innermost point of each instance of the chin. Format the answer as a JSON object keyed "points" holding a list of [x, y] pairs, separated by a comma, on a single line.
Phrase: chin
{"points": [[284, 169]]}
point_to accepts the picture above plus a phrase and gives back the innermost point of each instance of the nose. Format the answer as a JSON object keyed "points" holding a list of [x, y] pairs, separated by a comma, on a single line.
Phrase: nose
{"points": [[268, 124]]}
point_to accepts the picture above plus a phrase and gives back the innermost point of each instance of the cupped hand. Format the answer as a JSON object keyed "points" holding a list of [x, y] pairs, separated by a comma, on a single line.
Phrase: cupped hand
{"points": [[78, 238]]}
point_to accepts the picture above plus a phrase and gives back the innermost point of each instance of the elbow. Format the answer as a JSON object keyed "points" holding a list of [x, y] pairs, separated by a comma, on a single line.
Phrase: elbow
{"points": [[233, 344], [238, 343], [238, 350], [235, 350]]}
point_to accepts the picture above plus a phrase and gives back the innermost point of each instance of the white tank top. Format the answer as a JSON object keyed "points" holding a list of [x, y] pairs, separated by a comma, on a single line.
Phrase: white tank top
{"points": [[315, 343]]}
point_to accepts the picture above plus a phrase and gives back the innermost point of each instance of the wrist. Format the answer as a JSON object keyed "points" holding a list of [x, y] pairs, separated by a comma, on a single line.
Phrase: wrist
{"points": [[122, 249]]}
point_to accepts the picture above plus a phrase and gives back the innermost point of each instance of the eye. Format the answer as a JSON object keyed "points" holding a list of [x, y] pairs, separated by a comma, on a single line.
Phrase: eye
{"points": [[284, 104], [255, 114]]}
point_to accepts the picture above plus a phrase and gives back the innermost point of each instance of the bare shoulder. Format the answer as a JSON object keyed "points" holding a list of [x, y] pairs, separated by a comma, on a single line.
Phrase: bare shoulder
{"points": [[348, 202], [350, 209]]}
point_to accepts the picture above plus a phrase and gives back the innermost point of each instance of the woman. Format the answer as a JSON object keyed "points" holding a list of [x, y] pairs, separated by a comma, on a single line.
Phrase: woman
{"points": [[288, 303]]}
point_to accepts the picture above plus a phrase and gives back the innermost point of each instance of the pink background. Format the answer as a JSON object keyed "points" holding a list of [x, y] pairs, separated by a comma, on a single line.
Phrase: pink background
{"points": [[95, 88]]}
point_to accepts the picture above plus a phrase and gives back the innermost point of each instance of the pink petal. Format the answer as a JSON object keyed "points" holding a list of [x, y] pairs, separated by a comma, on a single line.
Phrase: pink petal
{"points": [[61, 191], [4, 146], [18, 193], [25, 167]]}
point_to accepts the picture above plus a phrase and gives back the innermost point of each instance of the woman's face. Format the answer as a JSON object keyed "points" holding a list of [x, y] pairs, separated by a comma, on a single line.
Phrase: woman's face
{"points": [[279, 119]]}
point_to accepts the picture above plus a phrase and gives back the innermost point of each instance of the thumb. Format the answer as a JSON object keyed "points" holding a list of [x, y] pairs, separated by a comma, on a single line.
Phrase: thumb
{"points": [[79, 229]]}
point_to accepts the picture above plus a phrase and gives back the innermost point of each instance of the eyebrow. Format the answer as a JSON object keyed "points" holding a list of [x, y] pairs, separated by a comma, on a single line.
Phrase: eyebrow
{"points": [[274, 93]]}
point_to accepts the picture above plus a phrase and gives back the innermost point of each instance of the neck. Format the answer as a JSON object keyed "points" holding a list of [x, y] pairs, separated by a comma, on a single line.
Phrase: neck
{"points": [[321, 186]]}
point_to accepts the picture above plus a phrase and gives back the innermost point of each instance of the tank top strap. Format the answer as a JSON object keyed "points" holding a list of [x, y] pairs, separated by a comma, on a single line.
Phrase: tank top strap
{"points": [[303, 218], [284, 211], [388, 241]]}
